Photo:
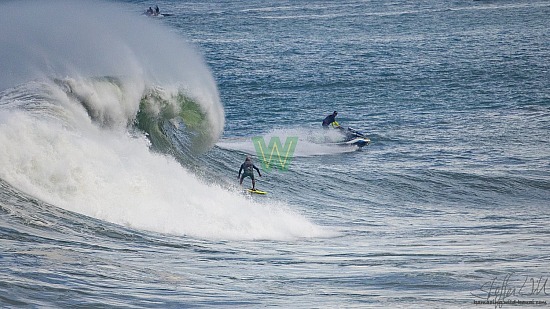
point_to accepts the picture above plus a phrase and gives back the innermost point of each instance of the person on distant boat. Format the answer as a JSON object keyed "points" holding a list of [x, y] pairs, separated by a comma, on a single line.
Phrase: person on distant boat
{"points": [[248, 168], [150, 11], [157, 10], [330, 119]]}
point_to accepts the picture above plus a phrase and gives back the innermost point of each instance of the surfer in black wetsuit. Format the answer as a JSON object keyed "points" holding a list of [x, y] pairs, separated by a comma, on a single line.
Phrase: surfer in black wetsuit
{"points": [[330, 119], [248, 168]]}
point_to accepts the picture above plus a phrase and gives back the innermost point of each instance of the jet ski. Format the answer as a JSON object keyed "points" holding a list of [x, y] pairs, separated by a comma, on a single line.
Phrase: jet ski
{"points": [[353, 137]]}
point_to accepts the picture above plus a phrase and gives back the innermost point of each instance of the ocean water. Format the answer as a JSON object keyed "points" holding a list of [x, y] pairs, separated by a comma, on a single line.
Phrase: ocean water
{"points": [[121, 136]]}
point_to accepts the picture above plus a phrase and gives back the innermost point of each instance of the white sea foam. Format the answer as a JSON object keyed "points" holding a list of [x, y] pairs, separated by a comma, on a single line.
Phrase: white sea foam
{"points": [[114, 177]]}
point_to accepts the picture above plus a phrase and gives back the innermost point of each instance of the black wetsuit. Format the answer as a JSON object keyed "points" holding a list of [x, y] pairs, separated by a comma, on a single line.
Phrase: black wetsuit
{"points": [[248, 168], [329, 119]]}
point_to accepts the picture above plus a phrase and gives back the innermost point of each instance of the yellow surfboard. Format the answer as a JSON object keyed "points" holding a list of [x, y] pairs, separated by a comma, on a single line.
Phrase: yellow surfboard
{"points": [[256, 191]]}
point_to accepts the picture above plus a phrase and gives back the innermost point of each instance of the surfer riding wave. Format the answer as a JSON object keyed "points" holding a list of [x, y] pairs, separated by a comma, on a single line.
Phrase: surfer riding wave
{"points": [[248, 167]]}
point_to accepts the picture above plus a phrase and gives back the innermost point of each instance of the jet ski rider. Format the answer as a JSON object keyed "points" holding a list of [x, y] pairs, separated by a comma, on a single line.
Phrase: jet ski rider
{"points": [[331, 119]]}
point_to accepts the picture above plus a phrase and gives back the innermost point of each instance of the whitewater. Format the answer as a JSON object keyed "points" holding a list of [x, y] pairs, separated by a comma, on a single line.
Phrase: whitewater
{"points": [[121, 138]]}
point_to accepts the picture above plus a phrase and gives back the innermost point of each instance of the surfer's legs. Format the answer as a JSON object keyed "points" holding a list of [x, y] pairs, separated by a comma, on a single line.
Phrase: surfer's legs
{"points": [[251, 177]]}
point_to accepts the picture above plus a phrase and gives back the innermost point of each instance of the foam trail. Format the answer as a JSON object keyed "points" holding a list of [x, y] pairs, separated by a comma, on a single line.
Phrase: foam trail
{"points": [[311, 142]]}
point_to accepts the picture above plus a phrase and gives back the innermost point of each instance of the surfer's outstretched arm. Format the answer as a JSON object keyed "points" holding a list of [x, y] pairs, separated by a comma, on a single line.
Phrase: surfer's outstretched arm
{"points": [[257, 170]]}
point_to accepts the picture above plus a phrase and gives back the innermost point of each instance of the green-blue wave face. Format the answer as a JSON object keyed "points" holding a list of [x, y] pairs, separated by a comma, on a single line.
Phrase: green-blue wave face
{"points": [[165, 117]]}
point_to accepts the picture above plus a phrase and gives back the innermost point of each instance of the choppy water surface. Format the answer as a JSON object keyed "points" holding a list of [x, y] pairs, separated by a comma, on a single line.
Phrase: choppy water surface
{"points": [[122, 136]]}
